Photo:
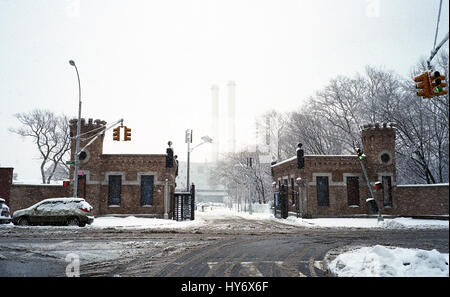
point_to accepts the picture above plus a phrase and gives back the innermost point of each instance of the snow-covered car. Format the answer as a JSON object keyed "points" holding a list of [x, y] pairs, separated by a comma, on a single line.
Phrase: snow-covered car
{"points": [[55, 211], [5, 217]]}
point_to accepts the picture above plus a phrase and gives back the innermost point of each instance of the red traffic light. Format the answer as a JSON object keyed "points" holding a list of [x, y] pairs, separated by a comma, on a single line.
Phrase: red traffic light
{"points": [[424, 85], [378, 186]]}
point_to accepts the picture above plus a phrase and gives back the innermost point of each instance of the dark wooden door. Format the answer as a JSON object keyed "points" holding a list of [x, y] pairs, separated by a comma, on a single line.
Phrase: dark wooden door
{"points": [[387, 191], [146, 189], [322, 190], [353, 190], [115, 185]]}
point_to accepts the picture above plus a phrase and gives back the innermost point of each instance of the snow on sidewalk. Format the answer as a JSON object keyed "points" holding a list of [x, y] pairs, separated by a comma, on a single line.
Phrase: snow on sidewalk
{"points": [[132, 222], [381, 261], [394, 223], [212, 213]]}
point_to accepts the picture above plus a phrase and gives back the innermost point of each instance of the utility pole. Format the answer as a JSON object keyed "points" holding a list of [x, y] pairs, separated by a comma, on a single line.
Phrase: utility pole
{"points": [[249, 166], [77, 145], [361, 158], [188, 141], [206, 139]]}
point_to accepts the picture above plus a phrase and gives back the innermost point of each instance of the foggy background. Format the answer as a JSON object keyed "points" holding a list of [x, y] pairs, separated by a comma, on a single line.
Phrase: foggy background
{"points": [[153, 63]]}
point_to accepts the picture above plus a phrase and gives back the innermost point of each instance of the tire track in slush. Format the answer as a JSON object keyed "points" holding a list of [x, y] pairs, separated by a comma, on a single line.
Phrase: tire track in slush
{"points": [[248, 265], [239, 257], [185, 261]]}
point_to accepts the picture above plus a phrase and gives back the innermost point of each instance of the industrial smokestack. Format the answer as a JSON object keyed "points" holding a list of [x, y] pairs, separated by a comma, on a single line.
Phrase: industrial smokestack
{"points": [[231, 117], [215, 123]]}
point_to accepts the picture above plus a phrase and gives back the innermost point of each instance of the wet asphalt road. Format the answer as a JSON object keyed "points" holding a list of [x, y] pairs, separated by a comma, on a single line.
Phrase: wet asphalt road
{"points": [[260, 249]]}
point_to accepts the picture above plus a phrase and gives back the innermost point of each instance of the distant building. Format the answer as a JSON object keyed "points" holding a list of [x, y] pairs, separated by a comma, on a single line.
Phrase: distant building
{"points": [[205, 189]]}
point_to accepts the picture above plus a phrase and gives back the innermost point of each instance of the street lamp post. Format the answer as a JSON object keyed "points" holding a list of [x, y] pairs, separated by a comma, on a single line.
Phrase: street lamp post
{"points": [[77, 145], [249, 166], [206, 139]]}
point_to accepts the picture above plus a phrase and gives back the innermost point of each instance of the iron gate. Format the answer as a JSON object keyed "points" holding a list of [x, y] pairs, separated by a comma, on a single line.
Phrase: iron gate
{"points": [[184, 205], [281, 203], [295, 196]]}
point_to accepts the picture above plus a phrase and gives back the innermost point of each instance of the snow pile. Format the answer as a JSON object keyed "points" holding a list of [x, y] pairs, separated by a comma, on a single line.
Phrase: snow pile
{"points": [[265, 213], [222, 212], [408, 223], [132, 222], [396, 223], [390, 262]]}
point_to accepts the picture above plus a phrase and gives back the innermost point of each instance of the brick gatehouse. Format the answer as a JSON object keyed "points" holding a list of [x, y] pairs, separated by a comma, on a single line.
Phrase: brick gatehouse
{"points": [[334, 185], [122, 184]]}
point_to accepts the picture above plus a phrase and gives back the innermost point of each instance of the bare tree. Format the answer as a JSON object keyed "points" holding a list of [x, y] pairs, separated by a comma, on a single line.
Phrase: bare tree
{"points": [[234, 172], [273, 123], [310, 128], [328, 123], [51, 135]]}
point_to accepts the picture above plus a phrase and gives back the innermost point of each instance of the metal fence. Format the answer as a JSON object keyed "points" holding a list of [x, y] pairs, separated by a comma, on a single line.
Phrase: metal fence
{"points": [[184, 205]]}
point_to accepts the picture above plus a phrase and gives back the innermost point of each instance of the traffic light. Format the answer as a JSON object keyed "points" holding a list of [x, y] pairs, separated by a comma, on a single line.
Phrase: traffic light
{"points": [[423, 85], [300, 157], [66, 183], [169, 157], [372, 204], [378, 186], [361, 156], [438, 84], [127, 134], [271, 168], [116, 134]]}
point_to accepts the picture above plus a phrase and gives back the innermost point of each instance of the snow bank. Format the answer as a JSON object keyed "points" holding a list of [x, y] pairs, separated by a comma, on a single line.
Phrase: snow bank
{"points": [[265, 213], [390, 262], [132, 222], [396, 223], [261, 212]]}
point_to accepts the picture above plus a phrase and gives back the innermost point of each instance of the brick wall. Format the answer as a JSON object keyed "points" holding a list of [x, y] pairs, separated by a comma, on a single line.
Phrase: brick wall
{"points": [[6, 177], [23, 196], [422, 199]]}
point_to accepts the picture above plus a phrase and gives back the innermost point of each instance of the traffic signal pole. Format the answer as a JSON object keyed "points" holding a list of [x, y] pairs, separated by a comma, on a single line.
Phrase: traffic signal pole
{"points": [[100, 133], [435, 50], [366, 176]]}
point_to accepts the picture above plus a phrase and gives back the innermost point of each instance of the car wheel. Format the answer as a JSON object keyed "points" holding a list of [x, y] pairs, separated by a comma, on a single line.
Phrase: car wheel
{"points": [[23, 221], [73, 222]]}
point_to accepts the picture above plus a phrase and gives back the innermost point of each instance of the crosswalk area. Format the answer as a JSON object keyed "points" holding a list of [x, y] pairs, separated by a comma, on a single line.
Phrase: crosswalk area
{"points": [[267, 268]]}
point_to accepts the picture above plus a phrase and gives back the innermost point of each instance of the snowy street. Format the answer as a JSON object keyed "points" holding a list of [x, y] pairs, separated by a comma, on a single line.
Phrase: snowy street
{"points": [[220, 242]]}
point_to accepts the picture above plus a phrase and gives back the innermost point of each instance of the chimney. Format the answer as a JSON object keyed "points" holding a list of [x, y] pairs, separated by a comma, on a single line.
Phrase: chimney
{"points": [[231, 117], [215, 123]]}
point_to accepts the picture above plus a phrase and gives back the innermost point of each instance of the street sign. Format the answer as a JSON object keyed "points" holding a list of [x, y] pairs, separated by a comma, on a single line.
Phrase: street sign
{"points": [[70, 162], [188, 136]]}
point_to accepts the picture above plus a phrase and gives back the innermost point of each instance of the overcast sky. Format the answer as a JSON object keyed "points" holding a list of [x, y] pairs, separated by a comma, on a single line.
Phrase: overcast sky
{"points": [[152, 63]]}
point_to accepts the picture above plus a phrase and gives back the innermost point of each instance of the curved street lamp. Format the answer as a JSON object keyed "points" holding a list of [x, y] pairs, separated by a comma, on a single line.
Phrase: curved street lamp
{"points": [[206, 139], [77, 147]]}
